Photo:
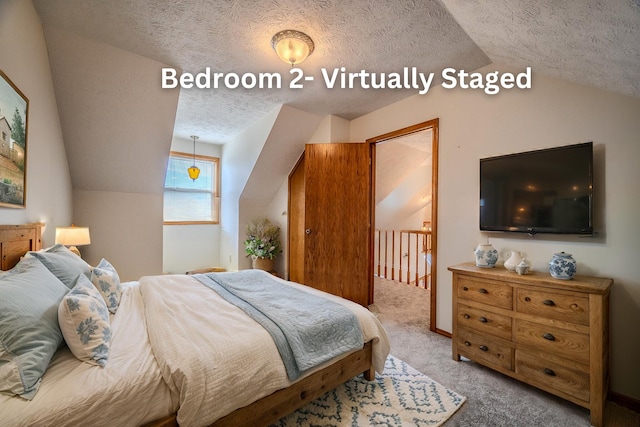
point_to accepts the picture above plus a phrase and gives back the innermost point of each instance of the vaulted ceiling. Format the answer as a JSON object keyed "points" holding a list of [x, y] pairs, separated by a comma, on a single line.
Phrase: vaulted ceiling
{"points": [[594, 42]]}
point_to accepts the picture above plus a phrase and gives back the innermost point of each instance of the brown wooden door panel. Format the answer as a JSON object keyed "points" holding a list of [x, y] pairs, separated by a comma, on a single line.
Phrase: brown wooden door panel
{"points": [[337, 219]]}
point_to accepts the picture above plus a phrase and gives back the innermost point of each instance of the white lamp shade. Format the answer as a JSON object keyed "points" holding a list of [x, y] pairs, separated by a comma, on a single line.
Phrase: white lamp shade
{"points": [[73, 236]]}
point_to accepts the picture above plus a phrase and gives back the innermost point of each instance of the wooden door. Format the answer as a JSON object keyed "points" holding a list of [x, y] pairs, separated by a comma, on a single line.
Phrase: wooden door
{"points": [[338, 219], [296, 223]]}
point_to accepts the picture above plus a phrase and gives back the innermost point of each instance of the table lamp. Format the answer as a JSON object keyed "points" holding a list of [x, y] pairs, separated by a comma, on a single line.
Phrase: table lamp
{"points": [[72, 237]]}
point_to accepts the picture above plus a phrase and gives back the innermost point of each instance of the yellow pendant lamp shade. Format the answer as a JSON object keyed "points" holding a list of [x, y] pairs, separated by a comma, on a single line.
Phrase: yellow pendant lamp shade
{"points": [[194, 171]]}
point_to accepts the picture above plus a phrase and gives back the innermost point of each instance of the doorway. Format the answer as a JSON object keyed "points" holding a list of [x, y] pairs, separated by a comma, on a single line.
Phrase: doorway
{"points": [[404, 201]]}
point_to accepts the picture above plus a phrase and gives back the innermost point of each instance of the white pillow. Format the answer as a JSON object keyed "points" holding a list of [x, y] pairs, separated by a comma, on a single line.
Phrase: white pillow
{"points": [[106, 280], [84, 322]]}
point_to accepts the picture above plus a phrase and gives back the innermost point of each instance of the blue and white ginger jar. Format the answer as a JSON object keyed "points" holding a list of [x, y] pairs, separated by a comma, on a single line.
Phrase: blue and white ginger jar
{"points": [[562, 266], [486, 255]]}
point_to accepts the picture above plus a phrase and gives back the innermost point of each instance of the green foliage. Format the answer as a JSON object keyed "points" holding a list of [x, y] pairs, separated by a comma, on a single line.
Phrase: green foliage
{"points": [[18, 129], [263, 239]]}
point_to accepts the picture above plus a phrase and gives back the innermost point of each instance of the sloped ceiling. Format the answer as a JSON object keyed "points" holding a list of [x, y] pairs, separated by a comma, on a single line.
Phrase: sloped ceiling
{"points": [[234, 36], [403, 179], [594, 42], [591, 42]]}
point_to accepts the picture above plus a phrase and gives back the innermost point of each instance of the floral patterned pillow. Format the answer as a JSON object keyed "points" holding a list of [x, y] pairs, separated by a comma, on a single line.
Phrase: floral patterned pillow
{"points": [[105, 278], [84, 322]]}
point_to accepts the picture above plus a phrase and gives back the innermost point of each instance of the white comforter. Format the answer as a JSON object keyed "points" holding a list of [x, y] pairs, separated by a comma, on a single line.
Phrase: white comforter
{"points": [[214, 355], [129, 391], [176, 346]]}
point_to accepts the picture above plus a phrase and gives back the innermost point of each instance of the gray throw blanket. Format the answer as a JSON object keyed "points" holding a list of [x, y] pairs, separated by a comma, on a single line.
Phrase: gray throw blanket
{"points": [[308, 329]]}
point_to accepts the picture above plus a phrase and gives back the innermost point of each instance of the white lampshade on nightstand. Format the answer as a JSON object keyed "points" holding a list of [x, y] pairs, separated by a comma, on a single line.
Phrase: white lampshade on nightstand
{"points": [[73, 236]]}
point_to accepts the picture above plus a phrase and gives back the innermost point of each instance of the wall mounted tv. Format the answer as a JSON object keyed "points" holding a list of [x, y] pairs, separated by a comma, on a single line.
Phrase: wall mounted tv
{"points": [[543, 191]]}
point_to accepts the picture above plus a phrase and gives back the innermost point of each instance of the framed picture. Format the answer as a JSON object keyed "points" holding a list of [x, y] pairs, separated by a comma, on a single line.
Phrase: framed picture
{"points": [[14, 109]]}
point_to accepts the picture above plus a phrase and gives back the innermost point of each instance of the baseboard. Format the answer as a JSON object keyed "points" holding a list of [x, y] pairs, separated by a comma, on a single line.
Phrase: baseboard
{"points": [[624, 400]]}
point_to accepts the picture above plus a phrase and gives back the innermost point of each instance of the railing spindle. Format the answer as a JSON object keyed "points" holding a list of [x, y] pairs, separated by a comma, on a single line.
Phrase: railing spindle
{"points": [[393, 248]]}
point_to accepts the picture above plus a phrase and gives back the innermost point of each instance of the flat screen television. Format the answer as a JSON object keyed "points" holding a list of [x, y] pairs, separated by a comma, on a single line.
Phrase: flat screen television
{"points": [[543, 191]]}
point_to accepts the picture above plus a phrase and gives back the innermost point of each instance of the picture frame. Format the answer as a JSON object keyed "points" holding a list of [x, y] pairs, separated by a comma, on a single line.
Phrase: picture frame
{"points": [[14, 116]]}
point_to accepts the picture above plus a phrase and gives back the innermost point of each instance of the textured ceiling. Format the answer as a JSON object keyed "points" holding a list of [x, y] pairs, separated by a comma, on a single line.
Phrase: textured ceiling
{"points": [[582, 41], [594, 42]]}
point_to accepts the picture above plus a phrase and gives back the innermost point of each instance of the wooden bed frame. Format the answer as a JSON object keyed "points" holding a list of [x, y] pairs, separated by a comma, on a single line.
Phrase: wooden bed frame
{"points": [[271, 408], [16, 240]]}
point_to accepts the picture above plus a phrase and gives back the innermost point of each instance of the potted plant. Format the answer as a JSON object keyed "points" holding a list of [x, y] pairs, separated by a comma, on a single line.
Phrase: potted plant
{"points": [[263, 243]]}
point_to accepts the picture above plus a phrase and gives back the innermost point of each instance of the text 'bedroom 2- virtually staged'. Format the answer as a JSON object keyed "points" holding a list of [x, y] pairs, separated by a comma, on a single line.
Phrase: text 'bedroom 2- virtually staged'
{"points": [[319, 213]]}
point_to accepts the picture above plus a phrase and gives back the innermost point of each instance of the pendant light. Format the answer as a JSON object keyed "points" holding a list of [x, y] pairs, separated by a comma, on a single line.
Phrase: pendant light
{"points": [[194, 171]]}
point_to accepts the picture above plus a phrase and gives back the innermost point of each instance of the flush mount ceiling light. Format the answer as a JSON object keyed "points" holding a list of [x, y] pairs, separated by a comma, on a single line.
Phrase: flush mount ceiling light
{"points": [[292, 46], [194, 171]]}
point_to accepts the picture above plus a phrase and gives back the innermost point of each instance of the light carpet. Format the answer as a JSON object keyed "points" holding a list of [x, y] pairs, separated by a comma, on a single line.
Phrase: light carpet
{"points": [[401, 396]]}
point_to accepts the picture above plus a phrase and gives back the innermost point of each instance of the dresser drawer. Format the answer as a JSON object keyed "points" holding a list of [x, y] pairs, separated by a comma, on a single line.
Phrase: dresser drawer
{"points": [[484, 349], [485, 291], [568, 308], [546, 374], [484, 321], [569, 344]]}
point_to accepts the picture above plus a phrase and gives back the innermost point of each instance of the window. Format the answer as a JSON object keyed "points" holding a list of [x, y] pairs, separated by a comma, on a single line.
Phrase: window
{"points": [[187, 201]]}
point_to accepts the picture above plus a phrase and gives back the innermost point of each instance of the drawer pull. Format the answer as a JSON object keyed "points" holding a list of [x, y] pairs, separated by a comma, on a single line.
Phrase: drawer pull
{"points": [[467, 343], [549, 372], [483, 319], [466, 316], [465, 289], [527, 299], [484, 348], [549, 337], [549, 302], [483, 291]]}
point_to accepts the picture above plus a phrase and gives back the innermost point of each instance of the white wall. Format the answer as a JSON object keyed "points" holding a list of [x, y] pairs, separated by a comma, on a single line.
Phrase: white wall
{"points": [[117, 122], [278, 214], [24, 59], [238, 159], [277, 152], [553, 113], [123, 230], [331, 129], [190, 247]]}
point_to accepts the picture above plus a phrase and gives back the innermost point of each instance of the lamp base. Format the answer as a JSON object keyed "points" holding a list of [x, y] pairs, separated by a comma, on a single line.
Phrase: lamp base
{"points": [[75, 250]]}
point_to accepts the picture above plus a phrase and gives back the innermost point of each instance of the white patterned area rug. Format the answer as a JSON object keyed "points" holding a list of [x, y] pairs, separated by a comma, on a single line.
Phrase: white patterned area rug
{"points": [[401, 396]]}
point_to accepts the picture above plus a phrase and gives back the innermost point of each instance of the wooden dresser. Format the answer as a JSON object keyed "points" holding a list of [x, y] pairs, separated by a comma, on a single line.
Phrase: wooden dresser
{"points": [[552, 334]]}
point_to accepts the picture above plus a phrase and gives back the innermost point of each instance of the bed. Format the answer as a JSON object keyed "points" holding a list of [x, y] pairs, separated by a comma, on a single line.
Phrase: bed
{"points": [[179, 354]]}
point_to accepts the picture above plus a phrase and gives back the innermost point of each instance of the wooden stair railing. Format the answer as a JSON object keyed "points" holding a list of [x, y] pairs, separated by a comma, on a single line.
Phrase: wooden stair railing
{"points": [[404, 256]]}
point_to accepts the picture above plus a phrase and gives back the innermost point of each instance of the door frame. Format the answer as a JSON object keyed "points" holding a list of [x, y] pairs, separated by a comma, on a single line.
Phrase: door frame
{"points": [[432, 124]]}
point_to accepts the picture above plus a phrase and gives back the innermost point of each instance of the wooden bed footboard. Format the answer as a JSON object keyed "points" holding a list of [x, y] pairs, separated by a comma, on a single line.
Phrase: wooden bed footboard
{"points": [[271, 408]]}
